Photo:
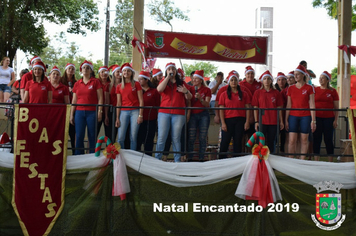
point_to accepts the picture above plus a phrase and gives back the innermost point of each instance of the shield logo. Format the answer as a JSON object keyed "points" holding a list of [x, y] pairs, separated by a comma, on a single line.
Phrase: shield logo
{"points": [[328, 208], [159, 42]]}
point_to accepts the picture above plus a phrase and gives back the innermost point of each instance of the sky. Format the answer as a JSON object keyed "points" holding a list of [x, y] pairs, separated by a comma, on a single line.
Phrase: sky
{"points": [[301, 32]]}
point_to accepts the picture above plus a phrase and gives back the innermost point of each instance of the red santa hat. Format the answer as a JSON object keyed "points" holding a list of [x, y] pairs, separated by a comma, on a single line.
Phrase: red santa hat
{"points": [[291, 73], [55, 68], [232, 74], [281, 75], [86, 63], [144, 74], [236, 73], [127, 66], [114, 68], [41, 65], [34, 59], [249, 69], [156, 72], [327, 75], [69, 65], [105, 68], [199, 74], [4, 138], [181, 73], [302, 69], [170, 64], [264, 75]]}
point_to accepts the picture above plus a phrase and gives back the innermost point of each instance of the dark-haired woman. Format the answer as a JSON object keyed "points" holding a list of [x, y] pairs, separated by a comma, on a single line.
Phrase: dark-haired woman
{"points": [[103, 77], [268, 97], [60, 92], [326, 121], [233, 122], [148, 127], [173, 93], [300, 95], [38, 90]]}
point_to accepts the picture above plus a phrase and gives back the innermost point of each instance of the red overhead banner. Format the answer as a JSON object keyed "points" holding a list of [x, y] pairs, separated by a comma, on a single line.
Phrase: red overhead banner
{"points": [[41, 137], [206, 47]]}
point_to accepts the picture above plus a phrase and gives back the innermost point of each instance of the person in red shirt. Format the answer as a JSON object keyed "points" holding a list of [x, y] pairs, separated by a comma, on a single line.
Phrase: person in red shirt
{"points": [[157, 76], [300, 95], [28, 76], [268, 97], [87, 90], [104, 79], [38, 90], [199, 119], [174, 93], [129, 96], [148, 127], [325, 98], [233, 122], [60, 92]]}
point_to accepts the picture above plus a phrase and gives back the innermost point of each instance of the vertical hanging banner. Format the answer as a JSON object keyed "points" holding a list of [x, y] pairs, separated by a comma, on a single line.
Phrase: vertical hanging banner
{"points": [[351, 114], [244, 49], [40, 153]]}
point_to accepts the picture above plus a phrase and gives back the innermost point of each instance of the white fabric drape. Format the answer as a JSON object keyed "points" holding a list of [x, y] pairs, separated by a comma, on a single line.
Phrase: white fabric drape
{"points": [[203, 173]]}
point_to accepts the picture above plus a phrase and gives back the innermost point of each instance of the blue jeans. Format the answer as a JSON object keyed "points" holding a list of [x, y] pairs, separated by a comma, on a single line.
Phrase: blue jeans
{"points": [[82, 120], [199, 122], [126, 118], [175, 123]]}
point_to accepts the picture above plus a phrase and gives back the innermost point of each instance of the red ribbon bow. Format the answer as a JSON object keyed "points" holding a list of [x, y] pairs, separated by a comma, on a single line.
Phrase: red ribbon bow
{"points": [[111, 151]]}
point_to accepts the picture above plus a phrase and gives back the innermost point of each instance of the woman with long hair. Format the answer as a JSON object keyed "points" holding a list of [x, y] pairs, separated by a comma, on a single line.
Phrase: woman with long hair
{"points": [[281, 81], [199, 119], [157, 76], [60, 92], [68, 79], [38, 90], [325, 98], [129, 96], [233, 122], [148, 127], [268, 97], [7, 78], [174, 93], [104, 79], [87, 90], [300, 95]]}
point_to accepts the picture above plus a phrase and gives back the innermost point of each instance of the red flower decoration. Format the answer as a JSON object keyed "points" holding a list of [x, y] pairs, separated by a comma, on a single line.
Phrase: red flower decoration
{"points": [[111, 151]]}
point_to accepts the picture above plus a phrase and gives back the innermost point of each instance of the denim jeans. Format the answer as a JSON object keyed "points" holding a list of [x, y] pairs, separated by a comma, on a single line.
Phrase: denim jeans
{"points": [[128, 117], [82, 120], [199, 122], [175, 123]]}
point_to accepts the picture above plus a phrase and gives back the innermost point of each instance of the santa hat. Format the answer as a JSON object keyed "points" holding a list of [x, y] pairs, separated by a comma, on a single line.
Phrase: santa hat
{"points": [[281, 75], [40, 64], [291, 73], [86, 63], [156, 72], [264, 75], [144, 74], [171, 64], [34, 59], [327, 75], [249, 69], [103, 68], [181, 73], [232, 74], [4, 138], [302, 69], [236, 73], [199, 74], [55, 68], [114, 68], [127, 66], [69, 65]]}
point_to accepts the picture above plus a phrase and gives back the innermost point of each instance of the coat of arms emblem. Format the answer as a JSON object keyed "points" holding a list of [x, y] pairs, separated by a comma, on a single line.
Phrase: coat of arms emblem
{"points": [[328, 206], [158, 41]]}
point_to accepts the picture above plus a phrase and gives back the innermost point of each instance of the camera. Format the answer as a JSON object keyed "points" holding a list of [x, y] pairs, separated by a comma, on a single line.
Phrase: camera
{"points": [[171, 74]]}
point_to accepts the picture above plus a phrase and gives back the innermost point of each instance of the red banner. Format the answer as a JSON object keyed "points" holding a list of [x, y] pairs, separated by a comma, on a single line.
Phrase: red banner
{"points": [[41, 137], [206, 47]]}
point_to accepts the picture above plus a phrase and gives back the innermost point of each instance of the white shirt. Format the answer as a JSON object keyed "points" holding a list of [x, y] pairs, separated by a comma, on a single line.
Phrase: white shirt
{"points": [[212, 85], [5, 75]]}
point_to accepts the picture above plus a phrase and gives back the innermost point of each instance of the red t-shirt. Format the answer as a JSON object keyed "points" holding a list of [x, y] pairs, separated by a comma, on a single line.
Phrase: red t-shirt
{"points": [[129, 95], [87, 93], [223, 89], [324, 98], [38, 92], [113, 96], [170, 97], [268, 99], [300, 99], [151, 98], [284, 96], [59, 93], [204, 92], [105, 88], [235, 102], [16, 84], [252, 87]]}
